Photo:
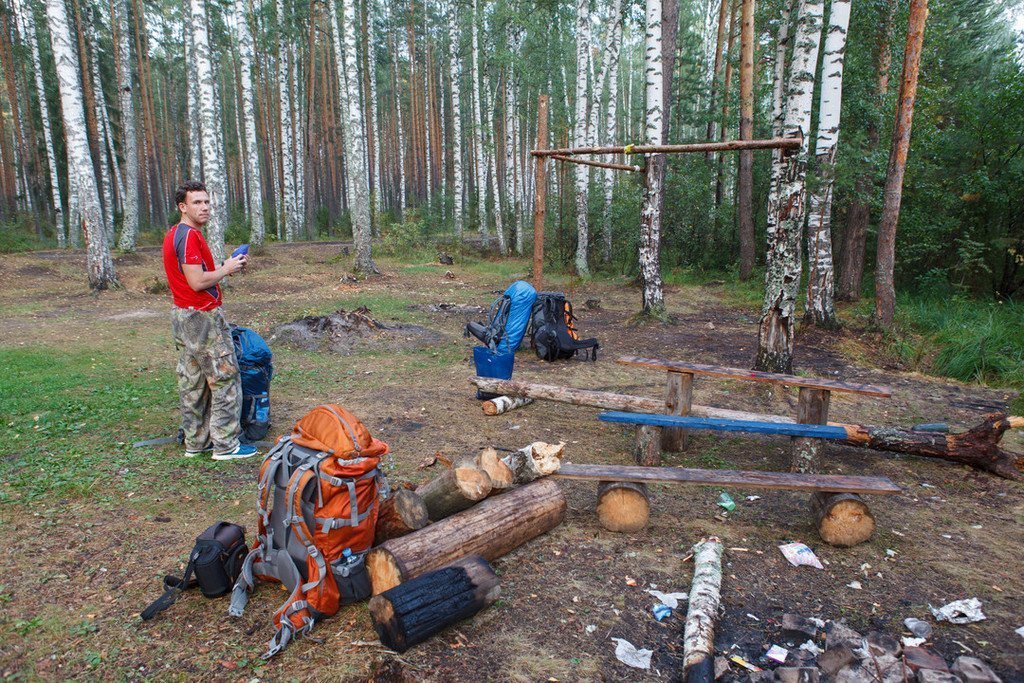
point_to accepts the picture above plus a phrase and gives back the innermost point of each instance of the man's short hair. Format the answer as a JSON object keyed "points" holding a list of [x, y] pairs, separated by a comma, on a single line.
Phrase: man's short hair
{"points": [[181, 194]]}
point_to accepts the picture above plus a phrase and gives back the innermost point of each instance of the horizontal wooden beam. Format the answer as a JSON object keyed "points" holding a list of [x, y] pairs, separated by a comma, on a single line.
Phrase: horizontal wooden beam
{"points": [[599, 164], [756, 376], [789, 481], [722, 425], [728, 146]]}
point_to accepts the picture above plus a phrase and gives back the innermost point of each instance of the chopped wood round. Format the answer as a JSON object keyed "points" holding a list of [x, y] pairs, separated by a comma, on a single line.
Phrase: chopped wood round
{"points": [[622, 506], [501, 474], [400, 513], [418, 609], [455, 489], [491, 529], [843, 519]]}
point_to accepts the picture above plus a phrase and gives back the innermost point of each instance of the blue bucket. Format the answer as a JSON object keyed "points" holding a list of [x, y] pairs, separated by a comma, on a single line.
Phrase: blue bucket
{"points": [[490, 364]]}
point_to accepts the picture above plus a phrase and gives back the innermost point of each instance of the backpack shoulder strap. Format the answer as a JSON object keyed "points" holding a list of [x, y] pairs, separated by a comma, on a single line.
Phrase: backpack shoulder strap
{"points": [[173, 587]]}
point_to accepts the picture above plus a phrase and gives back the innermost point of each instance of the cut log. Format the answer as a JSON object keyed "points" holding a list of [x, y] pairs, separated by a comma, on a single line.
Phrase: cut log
{"points": [[648, 446], [977, 447], [843, 519], [504, 404], [702, 612], [455, 489], [501, 474], [623, 506], [678, 399], [414, 611], [490, 529], [812, 409], [537, 460], [402, 512]]}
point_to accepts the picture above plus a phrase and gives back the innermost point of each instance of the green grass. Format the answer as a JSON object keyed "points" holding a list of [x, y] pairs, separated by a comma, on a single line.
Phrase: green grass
{"points": [[748, 294], [67, 421]]}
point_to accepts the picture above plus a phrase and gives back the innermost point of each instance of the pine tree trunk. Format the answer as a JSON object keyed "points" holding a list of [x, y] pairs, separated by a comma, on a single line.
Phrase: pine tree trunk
{"points": [[492, 165], [851, 272], [650, 212], [213, 161], [820, 304], [24, 9], [746, 171], [582, 173], [782, 277], [250, 149], [456, 139], [712, 129], [99, 262], [361, 229], [885, 261], [723, 131], [480, 170]]}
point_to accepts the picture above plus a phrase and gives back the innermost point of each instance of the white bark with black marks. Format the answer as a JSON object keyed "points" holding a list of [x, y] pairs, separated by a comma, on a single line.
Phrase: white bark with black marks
{"points": [[455, 70], [608, 176], [480, 166], [129, 147], [582, 173], [820, 304], [650, 211], [249, 137]]}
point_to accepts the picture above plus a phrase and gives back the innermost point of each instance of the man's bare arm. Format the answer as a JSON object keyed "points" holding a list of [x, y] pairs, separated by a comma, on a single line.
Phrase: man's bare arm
{"points": [[199, 279]]}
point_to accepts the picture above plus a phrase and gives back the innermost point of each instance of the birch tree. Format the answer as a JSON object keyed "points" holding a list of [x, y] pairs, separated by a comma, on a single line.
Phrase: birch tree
{"points": [[210, 132], [820, 306], [782, 277], [361, 228], [250, 147], [195, 148], [103, 142], [582, 174], [608, 176], [129, 150], [499, 224], [456, 76], [28, 26], [99, 262], [480, 171], [289, 212], [650, 212]]}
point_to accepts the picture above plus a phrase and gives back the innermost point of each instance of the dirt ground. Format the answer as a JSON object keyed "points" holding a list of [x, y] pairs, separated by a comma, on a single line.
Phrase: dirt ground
{"points": [[80, 568]]}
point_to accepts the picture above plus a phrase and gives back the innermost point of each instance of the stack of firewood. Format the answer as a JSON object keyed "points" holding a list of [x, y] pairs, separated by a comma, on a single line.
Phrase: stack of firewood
{"points": [[430, 567]]}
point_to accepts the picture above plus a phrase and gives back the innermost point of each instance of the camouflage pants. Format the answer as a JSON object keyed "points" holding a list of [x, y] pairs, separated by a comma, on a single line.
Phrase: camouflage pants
{"points": [[208, 380]]}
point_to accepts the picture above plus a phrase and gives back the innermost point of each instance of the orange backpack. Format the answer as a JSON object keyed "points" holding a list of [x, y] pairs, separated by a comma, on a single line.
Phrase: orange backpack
{"points": [[317, 504]]}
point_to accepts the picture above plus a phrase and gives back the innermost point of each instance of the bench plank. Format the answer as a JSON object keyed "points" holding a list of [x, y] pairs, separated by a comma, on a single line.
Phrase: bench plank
{"points": [[723, 425], [756, 376], [748, 479]]}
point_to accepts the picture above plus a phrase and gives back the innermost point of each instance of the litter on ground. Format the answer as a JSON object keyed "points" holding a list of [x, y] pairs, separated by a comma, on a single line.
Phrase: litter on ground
{"points": [[628, 654], [799, 554], [959, 611]]}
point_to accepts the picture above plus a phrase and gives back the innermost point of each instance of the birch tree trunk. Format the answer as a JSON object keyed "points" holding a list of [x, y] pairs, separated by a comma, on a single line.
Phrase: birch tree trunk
{"points": [[782, 277], [401, 132], [778, 111], [885, 261], [102, 129], [374, 111], [610, 129], [820, 306], [456, 143], [288, 212], [650, 212], [129, 148], [746, 171], [582, 173], [510, 111], [213, 161], [480, 171], [499, 224], [250, 149], [361, 229], [195, 157], [28, 21], [99, 263]]}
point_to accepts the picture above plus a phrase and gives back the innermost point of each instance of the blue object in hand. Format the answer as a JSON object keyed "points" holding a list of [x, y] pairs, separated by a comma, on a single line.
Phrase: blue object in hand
{"points": [[244, 249]]}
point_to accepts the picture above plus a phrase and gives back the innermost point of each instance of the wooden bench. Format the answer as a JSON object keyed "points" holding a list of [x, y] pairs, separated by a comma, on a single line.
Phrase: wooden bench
{"points": [[812, 408]]}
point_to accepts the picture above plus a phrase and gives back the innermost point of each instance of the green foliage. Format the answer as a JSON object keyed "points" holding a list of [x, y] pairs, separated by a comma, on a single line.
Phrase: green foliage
{"points": [[18, 233]]}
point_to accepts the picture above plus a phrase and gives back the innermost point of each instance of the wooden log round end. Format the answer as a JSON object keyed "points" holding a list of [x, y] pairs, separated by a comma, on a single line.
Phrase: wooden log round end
{"points": [[490, 408], [623, 506], [385, 573], [843, 519], [501, 474], [474, 483]]}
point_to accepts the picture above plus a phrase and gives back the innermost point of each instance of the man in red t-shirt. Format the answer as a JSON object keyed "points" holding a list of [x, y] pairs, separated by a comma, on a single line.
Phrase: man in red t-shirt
{"points": [[208, 377]]}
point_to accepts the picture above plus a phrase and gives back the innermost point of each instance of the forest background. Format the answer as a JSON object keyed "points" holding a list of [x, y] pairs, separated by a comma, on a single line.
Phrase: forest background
{"points": [[300, 114]]}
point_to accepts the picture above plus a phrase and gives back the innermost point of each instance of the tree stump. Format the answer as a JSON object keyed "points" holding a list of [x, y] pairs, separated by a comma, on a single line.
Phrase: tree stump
{"points": [[812, 409], [414, 611], [622, 506], [401, 513], [455, 489], [501, 474], [648, 446], [491, 529], [843, 519]]}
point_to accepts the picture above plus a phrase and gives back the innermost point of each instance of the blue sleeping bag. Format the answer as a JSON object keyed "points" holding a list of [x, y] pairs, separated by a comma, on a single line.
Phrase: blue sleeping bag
{"points": [[521, 296]]}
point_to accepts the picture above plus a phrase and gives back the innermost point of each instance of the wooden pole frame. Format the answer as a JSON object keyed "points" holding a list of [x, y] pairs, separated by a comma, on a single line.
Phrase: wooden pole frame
{"points": [[540, 196], [786, 144], [599, 164]]}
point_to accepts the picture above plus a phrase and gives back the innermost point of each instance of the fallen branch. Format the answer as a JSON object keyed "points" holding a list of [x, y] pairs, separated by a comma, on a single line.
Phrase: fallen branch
{"points": [[705, 595], [504, 404]]}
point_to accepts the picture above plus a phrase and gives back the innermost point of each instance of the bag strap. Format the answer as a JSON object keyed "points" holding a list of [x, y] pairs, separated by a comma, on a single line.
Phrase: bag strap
{"points": [[173, 587]]}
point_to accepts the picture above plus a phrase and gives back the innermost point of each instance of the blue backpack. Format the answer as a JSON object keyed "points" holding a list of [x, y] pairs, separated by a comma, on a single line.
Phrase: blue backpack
{"points": [[508, 319], [255, 361]]}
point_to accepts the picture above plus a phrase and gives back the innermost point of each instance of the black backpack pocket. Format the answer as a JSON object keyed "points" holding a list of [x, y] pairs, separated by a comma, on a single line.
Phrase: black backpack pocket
{"points": [[352, 578]]}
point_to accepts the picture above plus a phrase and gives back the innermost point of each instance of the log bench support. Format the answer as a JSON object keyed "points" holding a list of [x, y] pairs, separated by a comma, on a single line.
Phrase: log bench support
{"points": [[811, 409], [678, 399]]}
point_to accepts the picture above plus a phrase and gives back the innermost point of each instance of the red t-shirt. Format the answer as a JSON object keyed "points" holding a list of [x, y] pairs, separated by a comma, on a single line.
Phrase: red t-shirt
{"points": [[185, 244]]}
